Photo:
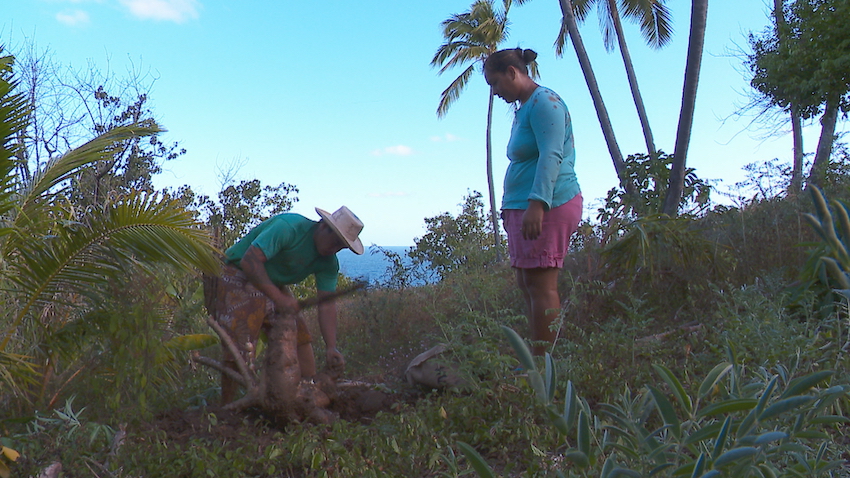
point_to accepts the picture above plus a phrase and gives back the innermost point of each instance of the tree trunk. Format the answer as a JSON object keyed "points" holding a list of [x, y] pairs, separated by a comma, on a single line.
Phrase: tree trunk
{"points": [[592, 85], [796, 184], [494, 218], [630, 73], [282, 391], [696, 41], [827, 137]]}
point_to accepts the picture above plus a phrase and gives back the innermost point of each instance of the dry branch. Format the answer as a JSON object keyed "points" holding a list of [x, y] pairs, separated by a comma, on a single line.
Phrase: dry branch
{"points": [[249, 380], [215, 364], [314, 301]]}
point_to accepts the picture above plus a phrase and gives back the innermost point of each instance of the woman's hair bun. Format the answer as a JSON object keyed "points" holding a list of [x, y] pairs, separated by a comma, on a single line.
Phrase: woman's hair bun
{"points": [[528, 55]]}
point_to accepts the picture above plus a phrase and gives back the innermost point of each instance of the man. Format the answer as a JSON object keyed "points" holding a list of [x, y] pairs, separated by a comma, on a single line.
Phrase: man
{"points": [[283, 250]]}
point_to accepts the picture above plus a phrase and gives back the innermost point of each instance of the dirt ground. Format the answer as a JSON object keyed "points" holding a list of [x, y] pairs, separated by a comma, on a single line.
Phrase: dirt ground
{"points": [[356, 400]]}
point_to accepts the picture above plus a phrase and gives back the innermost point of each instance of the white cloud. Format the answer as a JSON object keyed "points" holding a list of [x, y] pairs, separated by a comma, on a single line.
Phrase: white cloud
{"points": [[398, 150], [73, 18], [177, 11], [448, 137], [392, 194]]}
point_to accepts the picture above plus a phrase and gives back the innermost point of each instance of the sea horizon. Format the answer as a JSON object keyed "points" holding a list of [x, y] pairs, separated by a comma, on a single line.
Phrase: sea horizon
{"points": [[372, 266]]}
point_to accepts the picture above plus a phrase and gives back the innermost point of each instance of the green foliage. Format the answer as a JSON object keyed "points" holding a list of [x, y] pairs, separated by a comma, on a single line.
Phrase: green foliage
{"points": [[651, 176], [470, 38], [57, 258], [7, 456], [66, 436], [457, 242], [806, 64], [242, 206], [735, 425], [834, 230], [669, 262], [132, 165]]}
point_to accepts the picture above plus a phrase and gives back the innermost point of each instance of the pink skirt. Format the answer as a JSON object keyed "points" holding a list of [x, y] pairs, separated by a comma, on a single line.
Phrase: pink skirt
{"points": [[550, 248]]}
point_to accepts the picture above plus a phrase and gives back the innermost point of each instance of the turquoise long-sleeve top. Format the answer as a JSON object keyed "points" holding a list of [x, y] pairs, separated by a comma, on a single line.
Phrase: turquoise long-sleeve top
{"points": [[542, 154]]}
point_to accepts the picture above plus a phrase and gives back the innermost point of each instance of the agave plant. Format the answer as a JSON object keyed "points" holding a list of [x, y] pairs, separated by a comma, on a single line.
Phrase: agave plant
{"points": [[53, 254], [833, 227], [732, 426]]}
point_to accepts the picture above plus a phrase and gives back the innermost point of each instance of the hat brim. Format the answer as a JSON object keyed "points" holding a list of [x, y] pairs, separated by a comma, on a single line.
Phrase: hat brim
{"points": [[356, 245]]}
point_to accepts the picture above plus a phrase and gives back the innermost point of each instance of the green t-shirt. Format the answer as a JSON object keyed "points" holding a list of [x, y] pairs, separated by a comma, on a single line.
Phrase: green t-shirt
{"points": [[291, 256]]}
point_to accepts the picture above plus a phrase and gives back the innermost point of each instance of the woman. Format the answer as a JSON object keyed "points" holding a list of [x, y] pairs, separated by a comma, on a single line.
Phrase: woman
{"points": [[542, 204]]}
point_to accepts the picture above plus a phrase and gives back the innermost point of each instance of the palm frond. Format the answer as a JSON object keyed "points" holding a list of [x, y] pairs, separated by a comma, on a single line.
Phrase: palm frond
{"points": [[60, 169], [561, 41], [470, 54], [655, 18], [581, 9], [534, 70], [452, 93], [13, 114], [16, 372], [470, 37], [143, 228], [606, 25]]}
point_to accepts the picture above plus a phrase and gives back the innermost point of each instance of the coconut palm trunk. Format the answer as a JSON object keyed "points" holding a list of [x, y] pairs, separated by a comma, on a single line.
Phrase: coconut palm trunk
{"points": [[632, 76], [494, 216], [569, 21], [696, 41]]}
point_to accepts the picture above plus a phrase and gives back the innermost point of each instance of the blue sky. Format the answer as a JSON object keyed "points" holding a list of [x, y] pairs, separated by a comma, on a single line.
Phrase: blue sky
{"points": [[339, 99]]}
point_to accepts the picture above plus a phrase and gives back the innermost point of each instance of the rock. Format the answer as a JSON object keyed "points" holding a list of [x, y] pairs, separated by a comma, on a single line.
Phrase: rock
{"points": [[427, 370]]}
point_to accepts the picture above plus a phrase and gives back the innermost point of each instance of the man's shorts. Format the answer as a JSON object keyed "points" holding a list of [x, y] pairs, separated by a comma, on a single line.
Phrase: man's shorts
{"points": [[241, 308]]}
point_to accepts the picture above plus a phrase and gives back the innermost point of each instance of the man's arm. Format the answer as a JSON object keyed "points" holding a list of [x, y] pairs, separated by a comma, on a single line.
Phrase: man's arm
{"points": [[253, 265], [327, 324]]}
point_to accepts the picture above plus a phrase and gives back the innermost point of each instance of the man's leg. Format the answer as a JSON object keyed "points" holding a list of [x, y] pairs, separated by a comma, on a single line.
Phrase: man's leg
{"points": [[228, 386], [306, 358], [241, 311]]}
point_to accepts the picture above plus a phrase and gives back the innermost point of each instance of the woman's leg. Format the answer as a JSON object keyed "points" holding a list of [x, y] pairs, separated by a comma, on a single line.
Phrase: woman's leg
{"points": [[541, 290], [520, 281]]}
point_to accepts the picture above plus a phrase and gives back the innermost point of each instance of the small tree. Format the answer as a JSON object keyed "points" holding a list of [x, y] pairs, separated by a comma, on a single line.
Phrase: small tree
{"points": [[802, 64], [456, 242], [55, 255], [242, 206]]}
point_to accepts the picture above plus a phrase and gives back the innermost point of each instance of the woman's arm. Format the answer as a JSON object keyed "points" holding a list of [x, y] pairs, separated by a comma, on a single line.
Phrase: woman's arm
{"points": [[548, 123]]}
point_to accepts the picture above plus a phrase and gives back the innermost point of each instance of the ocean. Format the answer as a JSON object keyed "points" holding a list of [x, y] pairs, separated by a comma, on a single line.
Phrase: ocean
{"points": [[371, 266]]}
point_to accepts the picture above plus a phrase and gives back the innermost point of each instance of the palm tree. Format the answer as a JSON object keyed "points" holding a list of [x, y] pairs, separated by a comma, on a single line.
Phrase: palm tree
{"points": [[654, 19], [52, 254], [696, 40], [470, 38], [569, 28]]}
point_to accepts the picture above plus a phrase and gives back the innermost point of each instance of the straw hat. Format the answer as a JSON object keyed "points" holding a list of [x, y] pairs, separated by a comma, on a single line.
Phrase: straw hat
{"points": [[346, 225]]}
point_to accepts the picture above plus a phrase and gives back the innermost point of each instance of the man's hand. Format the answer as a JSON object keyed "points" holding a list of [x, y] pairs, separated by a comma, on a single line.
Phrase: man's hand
{"points": [[286, 304], [253, 265], [335, 360]]}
